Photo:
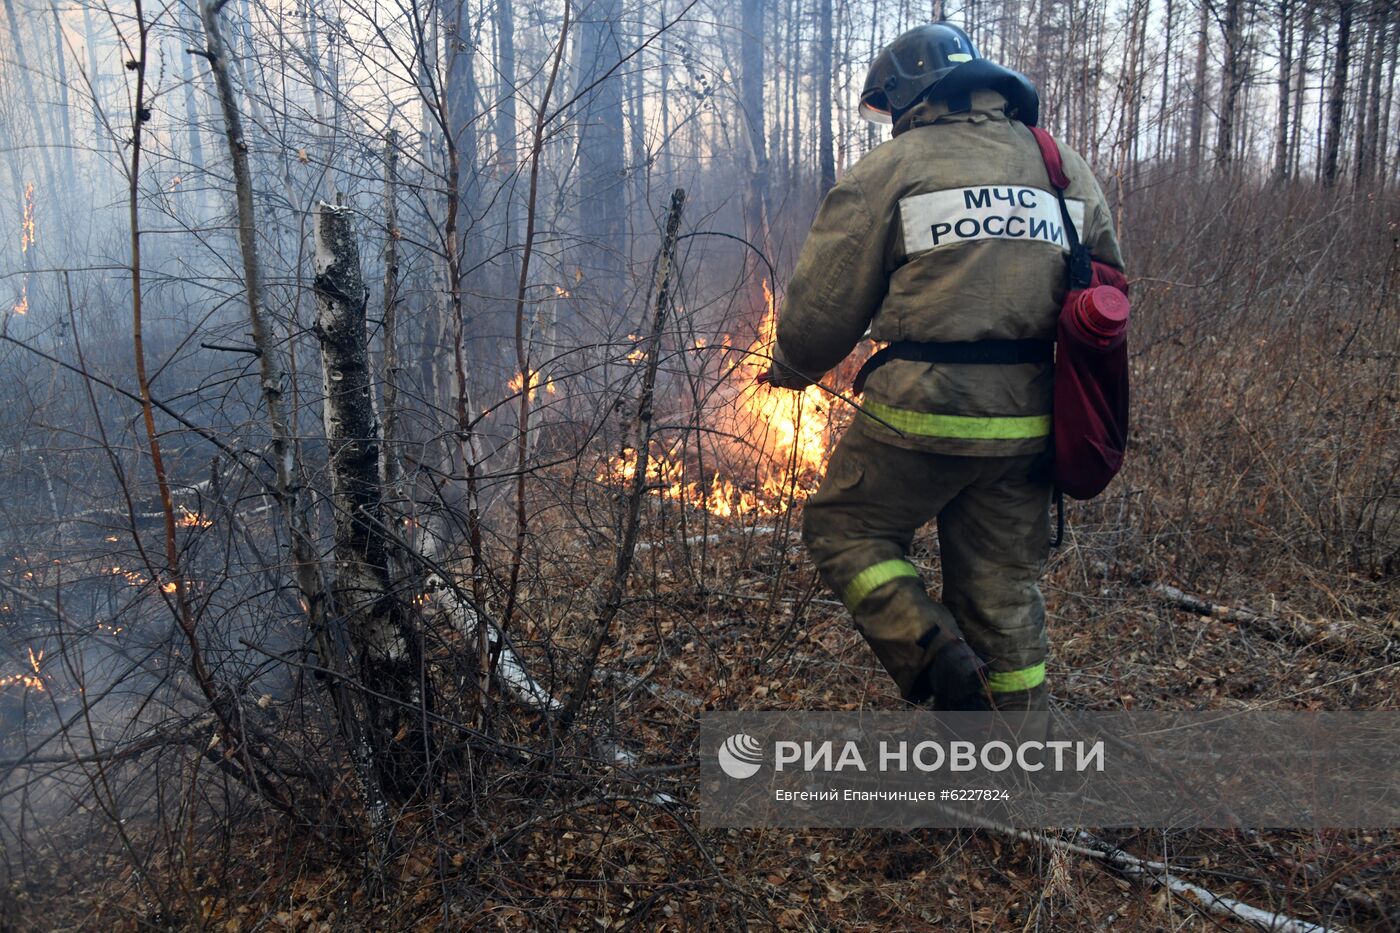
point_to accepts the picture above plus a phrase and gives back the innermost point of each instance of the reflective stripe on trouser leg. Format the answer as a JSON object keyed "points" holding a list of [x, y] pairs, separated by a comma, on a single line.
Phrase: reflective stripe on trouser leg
{"points": [[872, 578], [1025, 713], [858, 529], [1025, 678]]}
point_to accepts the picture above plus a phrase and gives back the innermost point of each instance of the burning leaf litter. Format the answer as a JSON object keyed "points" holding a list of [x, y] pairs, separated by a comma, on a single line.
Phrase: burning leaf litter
{"points": [[791, 433]]}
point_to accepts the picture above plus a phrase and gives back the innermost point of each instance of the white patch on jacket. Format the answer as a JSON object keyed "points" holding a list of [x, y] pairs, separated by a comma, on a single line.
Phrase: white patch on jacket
{"points": [[990, 212]]}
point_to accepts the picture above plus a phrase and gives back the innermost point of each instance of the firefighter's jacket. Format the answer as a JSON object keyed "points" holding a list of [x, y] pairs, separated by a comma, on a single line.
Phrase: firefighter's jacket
{"points": [[950, 231]]}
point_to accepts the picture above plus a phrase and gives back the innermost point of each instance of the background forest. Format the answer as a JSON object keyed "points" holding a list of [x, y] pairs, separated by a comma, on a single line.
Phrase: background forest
{"points": [[384, 488]]}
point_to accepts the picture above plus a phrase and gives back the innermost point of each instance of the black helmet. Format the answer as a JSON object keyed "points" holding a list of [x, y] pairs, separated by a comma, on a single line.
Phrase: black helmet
{"points": [[941, 56]]}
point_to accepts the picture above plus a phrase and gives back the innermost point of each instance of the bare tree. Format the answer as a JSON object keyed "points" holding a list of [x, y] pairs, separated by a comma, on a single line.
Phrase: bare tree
{"points": [[821, 74], [601, 201], [1336, 101]]}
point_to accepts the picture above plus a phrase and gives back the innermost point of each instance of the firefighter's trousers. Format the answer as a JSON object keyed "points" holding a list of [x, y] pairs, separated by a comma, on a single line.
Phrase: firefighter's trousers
{"points": [[993, 534]]}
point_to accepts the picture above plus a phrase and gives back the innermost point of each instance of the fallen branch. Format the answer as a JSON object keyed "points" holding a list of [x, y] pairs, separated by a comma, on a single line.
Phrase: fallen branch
{"points": [[509, 671], [1326, 636], [1217, 904], [1090, 846]]}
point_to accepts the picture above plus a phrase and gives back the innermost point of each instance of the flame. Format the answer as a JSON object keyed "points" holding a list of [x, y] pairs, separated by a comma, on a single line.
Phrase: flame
{"points": [[517, 382], [26, 227], [799, 419], [130, 576], [791, 432], [190, 519], [26, 240], [30, 681], [666, 478]]}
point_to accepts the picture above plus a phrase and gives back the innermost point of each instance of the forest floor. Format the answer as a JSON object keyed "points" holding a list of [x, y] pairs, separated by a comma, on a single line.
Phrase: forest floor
{"points": [[601, 853]]}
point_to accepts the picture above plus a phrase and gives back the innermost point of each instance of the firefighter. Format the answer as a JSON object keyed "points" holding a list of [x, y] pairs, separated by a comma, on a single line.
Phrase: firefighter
{"points": [[947, 242]]}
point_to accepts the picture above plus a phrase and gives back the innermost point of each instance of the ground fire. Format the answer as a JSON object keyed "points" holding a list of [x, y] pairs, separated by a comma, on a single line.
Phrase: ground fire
{"points": [[780, 440]]}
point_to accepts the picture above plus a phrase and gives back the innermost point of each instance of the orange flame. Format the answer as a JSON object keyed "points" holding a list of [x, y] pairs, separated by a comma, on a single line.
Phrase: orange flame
{"points": [[26, 228], [190, 519], [517, 382], [799, 420], [791, 431], [30, 681]]}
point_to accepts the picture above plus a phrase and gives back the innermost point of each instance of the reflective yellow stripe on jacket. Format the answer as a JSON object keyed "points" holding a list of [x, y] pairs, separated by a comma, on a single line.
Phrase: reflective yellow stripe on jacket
{"points": [[963, 427]]}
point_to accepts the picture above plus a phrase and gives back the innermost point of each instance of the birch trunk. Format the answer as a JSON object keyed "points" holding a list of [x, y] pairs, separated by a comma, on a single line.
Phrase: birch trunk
{"points": [[390, 469], [384, 643], [351, 712], [751, 99]]}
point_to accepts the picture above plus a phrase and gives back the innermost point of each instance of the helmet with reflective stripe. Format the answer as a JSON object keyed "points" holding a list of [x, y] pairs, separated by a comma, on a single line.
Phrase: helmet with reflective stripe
{"points": [[934, 61]]}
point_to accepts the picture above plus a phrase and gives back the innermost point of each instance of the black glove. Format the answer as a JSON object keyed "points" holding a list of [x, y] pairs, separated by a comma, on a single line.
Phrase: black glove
{"points": [[783, 377], [956, 679]]}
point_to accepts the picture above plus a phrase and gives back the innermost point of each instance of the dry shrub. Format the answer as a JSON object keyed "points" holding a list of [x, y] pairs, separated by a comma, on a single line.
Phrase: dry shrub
{"points": [[1266, 342]]}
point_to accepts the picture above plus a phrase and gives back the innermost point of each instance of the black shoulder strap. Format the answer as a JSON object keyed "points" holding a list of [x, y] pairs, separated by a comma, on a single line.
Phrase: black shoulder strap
{"points": [[1081, 264]]}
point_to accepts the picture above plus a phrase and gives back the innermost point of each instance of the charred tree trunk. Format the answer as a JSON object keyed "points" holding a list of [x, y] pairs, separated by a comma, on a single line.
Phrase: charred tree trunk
{"points": [[461, 93], [1362, 93], [1336, 103], [1366, 146], [1198, 88], [506, 131], [1231, 78], [1300, 87], [385, 644]]}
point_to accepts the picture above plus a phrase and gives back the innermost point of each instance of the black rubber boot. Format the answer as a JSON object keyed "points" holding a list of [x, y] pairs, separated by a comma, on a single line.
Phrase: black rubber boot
{"points": [[955, 679]]}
